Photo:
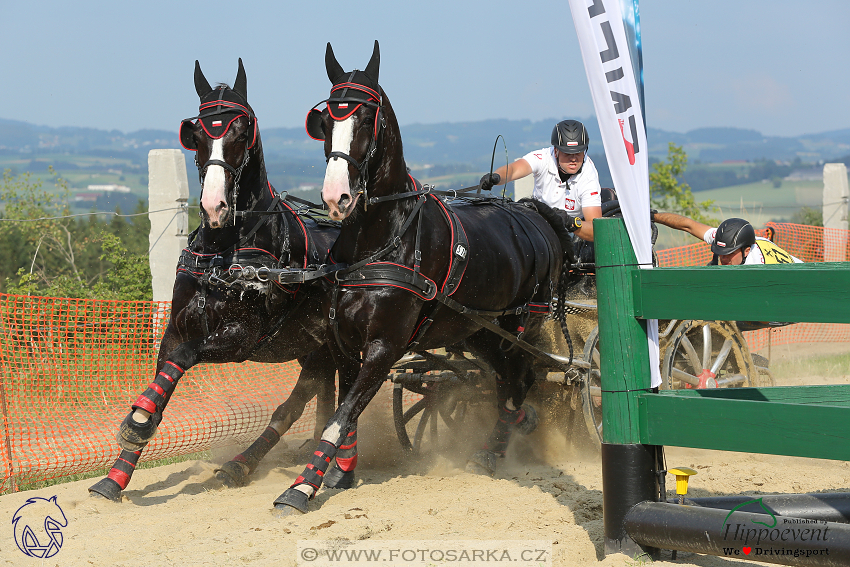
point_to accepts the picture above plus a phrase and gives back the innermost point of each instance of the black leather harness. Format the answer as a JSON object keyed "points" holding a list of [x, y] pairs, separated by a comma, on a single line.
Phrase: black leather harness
{"points": [[371, 271]]}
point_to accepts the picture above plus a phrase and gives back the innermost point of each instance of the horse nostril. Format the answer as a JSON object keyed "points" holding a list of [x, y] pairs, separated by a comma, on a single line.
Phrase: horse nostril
{"points": [[222, 205], [343, 201]]}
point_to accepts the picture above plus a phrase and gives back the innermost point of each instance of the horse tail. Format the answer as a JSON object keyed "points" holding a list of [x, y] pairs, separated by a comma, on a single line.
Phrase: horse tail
{"points": [[556, 221]]}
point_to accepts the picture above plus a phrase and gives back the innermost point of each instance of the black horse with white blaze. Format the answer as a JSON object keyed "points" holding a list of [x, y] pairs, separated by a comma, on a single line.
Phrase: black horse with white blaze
{"points": [[421, 274], [215, 319]]}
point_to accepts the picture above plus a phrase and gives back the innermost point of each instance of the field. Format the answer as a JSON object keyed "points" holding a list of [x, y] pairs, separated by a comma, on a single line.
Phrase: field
{"points": [[547, 490]]}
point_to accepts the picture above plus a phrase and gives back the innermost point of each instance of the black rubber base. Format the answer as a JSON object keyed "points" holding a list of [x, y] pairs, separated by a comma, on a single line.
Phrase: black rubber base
{"points": [[291, 500], [232, 475], [628, 478], [106, 488], [338, 478], [133, 436]]}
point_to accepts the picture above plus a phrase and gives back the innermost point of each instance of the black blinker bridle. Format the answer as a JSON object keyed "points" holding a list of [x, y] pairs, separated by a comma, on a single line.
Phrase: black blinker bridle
{"points": [[216, 108], [374, 99]]}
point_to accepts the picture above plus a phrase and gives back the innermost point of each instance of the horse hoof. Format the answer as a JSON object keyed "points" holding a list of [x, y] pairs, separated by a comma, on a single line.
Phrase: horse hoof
{"points": [[106, 488], [338, 478], [482, 462], [133, 435], [291, 502], [232, 474], [530, 422]]}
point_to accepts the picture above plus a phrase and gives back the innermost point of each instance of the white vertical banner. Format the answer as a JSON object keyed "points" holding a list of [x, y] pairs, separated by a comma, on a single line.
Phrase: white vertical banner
{"points": [[611, 69]]}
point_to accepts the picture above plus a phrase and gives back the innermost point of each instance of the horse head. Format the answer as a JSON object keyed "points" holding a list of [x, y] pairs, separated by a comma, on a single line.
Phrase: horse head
{"points": [[223, 135], [357, 125]]}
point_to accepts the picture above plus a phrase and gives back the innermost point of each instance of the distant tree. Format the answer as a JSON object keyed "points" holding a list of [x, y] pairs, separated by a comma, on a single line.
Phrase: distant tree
{"points": [[809, 216], [667, 193], [46, 251]]}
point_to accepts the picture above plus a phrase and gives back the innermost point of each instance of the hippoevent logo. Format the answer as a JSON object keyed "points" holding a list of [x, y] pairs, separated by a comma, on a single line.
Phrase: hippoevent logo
{"points": [[622, 102], [776, 536], [38, 527]]}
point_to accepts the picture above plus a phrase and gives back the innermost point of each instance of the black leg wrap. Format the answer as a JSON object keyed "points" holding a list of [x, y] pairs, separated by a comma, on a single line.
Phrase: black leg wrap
{"points": [[118, 478], [235, 473], [290, 500], [529, 421], [133, 436], [155, 397], [314, 471]]}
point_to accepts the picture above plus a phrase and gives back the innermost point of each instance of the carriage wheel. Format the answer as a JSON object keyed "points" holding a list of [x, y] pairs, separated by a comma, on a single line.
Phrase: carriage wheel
{"points": [[445, 406], [709, 354], [591, 389]]}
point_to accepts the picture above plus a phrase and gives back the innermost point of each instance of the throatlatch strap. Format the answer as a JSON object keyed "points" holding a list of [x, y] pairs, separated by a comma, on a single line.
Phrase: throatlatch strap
{"points": [[317, 467], [122, 470], [153, 399], [346, 457]]}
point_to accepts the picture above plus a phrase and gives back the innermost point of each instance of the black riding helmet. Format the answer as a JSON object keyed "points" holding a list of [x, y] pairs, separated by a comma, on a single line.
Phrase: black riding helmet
{"points": [[732, 235], [570, 137]]}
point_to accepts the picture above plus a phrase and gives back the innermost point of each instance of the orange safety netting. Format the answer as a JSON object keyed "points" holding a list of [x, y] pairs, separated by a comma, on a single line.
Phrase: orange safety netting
{"points": [[71, 368], [808, 243]]}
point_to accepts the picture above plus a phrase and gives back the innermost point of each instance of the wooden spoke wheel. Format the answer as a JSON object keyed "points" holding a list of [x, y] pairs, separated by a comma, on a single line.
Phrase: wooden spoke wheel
{"points": [[591, 389], [435, 397], [709, 354]]}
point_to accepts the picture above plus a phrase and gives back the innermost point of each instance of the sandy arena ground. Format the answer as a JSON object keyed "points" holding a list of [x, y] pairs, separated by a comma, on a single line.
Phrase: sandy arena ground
{"points": [[546, 489]]}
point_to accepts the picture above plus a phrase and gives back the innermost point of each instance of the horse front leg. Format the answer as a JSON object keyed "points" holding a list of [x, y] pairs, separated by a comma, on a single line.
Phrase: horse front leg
{"points": [[315, 380], [140, 425], [337, 440], [514, 377]]}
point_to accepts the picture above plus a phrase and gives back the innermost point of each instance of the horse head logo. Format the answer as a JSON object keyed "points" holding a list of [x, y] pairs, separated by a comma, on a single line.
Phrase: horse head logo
{"points": [[38, 526]]}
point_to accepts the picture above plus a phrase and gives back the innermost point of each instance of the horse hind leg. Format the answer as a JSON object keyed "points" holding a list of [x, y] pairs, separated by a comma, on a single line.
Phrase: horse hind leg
{"points": [[523, 419], [316, 380], [118, 478]]}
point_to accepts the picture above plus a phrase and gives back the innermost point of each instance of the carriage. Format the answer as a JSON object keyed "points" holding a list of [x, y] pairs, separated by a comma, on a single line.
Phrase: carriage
{"points": [[434, 393]]}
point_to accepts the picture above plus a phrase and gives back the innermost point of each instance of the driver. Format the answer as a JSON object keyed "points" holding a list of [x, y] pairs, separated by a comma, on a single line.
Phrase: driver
{"points": [[733, 243], [564, 177]]}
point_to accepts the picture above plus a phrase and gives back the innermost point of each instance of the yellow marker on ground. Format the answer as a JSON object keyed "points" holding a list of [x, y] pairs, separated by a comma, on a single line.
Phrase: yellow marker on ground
{"points": [[682, 474]]}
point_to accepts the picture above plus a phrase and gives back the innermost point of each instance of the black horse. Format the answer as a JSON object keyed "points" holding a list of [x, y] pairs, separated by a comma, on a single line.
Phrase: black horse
{"points": [[215, 319], [415, 263]]}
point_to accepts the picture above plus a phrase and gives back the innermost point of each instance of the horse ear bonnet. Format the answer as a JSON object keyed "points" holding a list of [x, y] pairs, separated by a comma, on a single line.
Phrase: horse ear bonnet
{"points": [[349, 92], [220, 107]]}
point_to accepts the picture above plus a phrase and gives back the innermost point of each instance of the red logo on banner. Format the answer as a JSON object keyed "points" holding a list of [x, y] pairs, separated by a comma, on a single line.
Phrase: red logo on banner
{"points": [[630, 148]]}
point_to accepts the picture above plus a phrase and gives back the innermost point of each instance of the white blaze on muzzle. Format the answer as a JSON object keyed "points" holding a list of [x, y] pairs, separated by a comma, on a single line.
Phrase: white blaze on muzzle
{"points": [[337, 180], [214, 199]]}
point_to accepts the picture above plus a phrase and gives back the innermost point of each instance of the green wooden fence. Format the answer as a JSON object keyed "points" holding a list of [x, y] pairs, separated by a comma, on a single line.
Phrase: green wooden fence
{"points": [[809, 421]]}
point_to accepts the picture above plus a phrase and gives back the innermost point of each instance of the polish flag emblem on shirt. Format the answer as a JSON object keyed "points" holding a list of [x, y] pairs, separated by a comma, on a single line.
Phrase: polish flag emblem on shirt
{"points": [[571, 204]]}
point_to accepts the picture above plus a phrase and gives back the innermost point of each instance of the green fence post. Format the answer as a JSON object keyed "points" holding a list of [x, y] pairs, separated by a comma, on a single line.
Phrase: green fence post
{"points": [[628, 468]]}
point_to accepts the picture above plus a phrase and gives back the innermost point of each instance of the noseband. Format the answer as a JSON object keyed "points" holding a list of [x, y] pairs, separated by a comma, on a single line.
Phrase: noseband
{"points": [[373, 99]]}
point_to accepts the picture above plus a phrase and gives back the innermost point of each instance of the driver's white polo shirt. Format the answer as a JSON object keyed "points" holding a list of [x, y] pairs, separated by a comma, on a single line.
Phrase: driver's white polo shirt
{"points": [[579, 191]]}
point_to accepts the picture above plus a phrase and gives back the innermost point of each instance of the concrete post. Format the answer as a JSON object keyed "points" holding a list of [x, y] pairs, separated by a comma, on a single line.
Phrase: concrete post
{"points": [[523, 187], [835, 197], [168, 188]]}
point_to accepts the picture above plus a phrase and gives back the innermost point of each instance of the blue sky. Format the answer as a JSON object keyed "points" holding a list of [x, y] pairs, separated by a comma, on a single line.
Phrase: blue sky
{"points": [[778, 66]]}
